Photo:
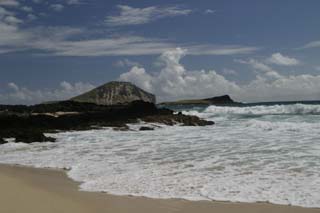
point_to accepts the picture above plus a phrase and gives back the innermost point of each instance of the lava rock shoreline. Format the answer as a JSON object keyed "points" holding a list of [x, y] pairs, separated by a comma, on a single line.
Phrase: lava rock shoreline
{"points": [[29, 123]]}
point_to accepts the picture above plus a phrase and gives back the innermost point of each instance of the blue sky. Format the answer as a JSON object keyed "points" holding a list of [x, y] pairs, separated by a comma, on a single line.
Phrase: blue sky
{"points": [[252, 50]]}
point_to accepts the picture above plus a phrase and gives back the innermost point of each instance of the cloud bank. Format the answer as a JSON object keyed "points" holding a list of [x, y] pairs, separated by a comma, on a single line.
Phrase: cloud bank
{"points": [[279, 59], [22, 95], [74, 41], [174, 81]]}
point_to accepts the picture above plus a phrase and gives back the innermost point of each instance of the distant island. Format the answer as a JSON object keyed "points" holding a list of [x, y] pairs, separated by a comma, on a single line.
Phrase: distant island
{"points": [[114, 104], [219, 100]]}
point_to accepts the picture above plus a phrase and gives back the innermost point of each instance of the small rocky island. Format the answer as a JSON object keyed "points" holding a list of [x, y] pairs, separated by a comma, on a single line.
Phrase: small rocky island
{"points": [[115, 105], [224, 100]]}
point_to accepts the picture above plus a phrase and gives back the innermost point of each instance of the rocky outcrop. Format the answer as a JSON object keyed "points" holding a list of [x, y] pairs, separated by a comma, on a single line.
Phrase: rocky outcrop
{"points": [[146, 128], [28, 123], [177, 119], [30, 136], [2, 141], [219, 100], [114, 93]]}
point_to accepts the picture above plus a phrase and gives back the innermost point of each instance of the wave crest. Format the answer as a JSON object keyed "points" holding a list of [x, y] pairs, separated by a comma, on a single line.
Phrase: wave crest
{"points": [[294, 109]]}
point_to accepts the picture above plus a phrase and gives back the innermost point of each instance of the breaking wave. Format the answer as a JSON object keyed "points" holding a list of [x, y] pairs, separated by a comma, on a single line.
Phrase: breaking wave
{"points": [[295, 109], [252, 154]]}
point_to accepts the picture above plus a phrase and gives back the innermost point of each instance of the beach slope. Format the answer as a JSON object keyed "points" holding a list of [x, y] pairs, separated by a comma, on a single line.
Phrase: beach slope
{"points": [[30, 190]]}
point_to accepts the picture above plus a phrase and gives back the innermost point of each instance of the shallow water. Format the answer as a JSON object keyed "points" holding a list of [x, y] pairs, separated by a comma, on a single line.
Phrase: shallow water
{"points": [[255, 153]]}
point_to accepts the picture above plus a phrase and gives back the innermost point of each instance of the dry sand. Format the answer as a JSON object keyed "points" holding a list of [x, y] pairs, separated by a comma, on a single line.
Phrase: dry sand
{"points": [[29, 190]]}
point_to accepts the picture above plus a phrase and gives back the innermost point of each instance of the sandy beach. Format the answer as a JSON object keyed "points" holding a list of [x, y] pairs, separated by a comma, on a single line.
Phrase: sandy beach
{"points": [[30, 190]]}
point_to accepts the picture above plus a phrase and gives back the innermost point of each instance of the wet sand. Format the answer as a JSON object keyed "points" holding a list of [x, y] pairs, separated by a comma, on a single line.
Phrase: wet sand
{"points": [[30, 190]]}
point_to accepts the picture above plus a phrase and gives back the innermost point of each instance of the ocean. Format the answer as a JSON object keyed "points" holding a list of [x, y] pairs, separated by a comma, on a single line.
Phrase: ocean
{"points": [[265, 152]]}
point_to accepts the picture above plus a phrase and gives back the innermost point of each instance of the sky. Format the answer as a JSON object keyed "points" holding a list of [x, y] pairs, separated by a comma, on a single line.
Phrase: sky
{"points": [[252, 50]]}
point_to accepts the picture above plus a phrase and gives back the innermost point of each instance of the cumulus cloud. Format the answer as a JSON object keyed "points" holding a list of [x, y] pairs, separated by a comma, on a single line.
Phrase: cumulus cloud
{"points": [[135, 16], [23, 95], [279, 59], [11, 20], [174, 81]]}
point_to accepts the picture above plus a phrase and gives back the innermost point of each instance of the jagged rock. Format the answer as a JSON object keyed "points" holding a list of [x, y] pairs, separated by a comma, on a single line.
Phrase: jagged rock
{"points": [[114, 93], [146, 128], [27, 126], [173, 119], [31, 136], [2, 141]]}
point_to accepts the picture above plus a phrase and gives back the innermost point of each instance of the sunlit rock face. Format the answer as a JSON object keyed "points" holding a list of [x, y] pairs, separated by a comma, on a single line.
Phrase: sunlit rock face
{"points": [[115, 93]]}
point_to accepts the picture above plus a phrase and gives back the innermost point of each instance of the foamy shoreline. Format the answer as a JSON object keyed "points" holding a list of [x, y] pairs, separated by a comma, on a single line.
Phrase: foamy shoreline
{"points": [[50, 190]]}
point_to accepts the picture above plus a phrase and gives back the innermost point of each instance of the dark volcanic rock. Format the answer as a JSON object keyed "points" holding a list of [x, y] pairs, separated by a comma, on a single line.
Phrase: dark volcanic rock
{"points": [[221, 100], [174, 119], [115, 93], [29, 124], [2, 141], [31, 136], [146, 128]]}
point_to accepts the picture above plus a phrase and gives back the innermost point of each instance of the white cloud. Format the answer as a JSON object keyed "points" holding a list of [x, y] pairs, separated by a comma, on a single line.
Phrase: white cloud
{"points": [[134, 16], [229, 72], [37, 1], [27, 9], [279, 59], [59, 43], [263, 69], [175, 82], [31, 17], [22, 95], [64, 41], [10, 3], [74, 2], [57, 7], [209, 11], [130, 46], [4, 12], [11, 37], [13, 86], [313, 44], [219, 49], [126, 63], [11, 20]]}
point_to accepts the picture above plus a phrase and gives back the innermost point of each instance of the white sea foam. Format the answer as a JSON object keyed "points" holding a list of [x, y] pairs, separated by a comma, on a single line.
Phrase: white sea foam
{"points": [[274, 157], [294, 109]]}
